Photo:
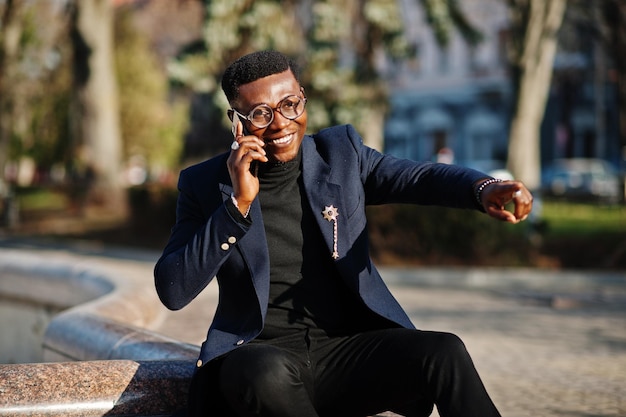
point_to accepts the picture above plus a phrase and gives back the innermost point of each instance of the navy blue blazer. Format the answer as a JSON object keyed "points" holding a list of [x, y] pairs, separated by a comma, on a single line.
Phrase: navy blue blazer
{"points": [[337, 170]]}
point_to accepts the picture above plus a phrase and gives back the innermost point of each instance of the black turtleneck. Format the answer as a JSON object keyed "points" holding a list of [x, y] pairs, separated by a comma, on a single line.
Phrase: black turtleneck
{"points": [[306, 290]]}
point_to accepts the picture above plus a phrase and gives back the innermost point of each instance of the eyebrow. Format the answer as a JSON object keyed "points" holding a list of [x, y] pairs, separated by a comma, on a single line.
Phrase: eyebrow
{"points": [[267, 104]]}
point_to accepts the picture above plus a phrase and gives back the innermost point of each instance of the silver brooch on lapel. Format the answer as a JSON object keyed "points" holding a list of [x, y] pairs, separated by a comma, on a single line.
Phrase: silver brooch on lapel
{"points": [[331, 213]]}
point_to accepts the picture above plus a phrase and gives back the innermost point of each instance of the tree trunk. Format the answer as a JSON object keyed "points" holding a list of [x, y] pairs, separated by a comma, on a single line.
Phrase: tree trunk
{"points": [[614, 13], [10, 33], [371, 128], [96, 124], [536, 57]]}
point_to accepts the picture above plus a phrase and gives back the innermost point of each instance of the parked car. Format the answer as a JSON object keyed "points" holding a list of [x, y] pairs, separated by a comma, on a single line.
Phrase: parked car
{"points": [[582, 179]]}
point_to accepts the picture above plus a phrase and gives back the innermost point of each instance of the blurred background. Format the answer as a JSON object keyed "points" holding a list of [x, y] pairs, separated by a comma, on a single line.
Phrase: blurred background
{"points": [[103, 102]]}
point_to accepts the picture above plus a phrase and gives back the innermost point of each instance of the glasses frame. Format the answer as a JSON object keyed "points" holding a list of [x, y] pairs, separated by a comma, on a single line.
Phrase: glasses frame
{"points": [[273, 110]]}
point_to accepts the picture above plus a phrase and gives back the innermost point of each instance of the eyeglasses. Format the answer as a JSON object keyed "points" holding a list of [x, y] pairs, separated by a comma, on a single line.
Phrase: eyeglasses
{"points": [[291, 107]]}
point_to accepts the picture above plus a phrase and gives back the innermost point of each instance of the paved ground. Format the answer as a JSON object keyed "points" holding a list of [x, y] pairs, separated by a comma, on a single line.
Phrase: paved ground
{"points": [[540, 353], [544, 350]]}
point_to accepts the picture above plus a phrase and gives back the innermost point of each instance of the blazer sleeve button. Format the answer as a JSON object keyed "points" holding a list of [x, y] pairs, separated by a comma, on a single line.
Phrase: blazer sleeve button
{"points": [[199, 363], [225, 246], [232, 240], [240, 342]]}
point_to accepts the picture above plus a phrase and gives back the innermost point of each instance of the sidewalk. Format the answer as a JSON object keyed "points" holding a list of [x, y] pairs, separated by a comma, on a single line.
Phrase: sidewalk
{"points": [[546, 344]]}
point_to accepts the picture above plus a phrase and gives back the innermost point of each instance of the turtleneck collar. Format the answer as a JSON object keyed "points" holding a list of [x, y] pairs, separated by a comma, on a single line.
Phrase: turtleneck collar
{"points": [[272, 169]]}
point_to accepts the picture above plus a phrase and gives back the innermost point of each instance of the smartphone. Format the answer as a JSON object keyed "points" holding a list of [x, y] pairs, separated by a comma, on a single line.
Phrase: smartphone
{"points": [[233, 128]]}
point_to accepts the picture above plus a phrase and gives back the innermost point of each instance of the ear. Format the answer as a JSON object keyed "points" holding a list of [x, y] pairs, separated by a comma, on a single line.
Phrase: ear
{"points": [[302, 91], [230, 113]]}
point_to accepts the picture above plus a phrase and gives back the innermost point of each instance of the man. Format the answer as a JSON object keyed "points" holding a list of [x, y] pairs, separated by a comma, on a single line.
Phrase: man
{"points": [[305, 326]]}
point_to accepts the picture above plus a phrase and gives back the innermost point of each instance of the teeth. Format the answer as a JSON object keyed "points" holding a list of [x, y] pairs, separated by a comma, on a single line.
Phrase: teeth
{"points": [[282, 140]]}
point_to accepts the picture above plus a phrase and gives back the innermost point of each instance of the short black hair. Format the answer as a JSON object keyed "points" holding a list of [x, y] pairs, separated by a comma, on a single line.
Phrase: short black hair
{"points": [[253, 66]]}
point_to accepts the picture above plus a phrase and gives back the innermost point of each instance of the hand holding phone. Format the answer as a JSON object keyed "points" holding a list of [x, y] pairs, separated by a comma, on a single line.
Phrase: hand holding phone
{"points": [[254, 165]]}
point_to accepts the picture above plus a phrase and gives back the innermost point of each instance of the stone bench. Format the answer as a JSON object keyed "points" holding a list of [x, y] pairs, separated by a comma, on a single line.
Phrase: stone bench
{"points": [[98, 355], [94, 388]]}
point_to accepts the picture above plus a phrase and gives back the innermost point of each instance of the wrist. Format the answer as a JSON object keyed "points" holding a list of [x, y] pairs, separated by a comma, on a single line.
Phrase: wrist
{"points": [[240, 208], [480, 187]]}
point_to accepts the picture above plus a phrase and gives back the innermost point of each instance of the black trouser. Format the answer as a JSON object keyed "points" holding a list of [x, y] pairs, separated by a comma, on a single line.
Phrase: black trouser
{"points": [[310, 375]]}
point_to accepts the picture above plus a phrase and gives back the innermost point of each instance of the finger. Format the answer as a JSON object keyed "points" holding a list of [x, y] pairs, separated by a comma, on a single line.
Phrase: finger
{"points": [[237, 134], [251, 145], [501, 214], [509, 190], [523, 201], [238, 129], [522, 209], [255, 155]]}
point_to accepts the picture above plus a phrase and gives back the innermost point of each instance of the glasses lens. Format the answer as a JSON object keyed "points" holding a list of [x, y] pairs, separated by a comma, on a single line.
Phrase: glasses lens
{"points": [[291, 107], [261, 116]]}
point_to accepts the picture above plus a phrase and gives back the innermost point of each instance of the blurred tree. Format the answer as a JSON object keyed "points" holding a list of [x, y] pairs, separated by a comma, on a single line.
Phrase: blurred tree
{"points": [[613, 13], [95, 114], [151, 126], [11, 29], [342, 44], [445, 16], [33, 85], [533, 44], [36, 96], [47, 140]]}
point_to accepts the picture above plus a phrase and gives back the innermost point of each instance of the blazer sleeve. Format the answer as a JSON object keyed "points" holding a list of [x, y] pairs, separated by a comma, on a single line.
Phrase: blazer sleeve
{"points": [[388, 179], [200, 241]]}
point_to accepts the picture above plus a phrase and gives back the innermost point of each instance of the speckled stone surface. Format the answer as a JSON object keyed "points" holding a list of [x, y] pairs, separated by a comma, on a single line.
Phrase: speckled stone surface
{"points": [[94, 388]]}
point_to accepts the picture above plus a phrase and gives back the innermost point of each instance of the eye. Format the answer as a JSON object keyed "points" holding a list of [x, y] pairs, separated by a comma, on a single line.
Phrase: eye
{"points": [[261, 112], [291, 103]]}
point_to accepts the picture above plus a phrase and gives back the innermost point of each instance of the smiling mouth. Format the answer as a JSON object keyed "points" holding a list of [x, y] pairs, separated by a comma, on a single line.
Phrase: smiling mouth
{"points": [[281, 141]]}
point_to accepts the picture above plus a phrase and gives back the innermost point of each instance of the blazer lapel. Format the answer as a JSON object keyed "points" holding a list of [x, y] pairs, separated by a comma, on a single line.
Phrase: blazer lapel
{"points": [[323, 195]]}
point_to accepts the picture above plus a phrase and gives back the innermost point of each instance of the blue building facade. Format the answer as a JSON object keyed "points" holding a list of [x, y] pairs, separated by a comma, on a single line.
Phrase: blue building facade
{"points": [[456, 102]]}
